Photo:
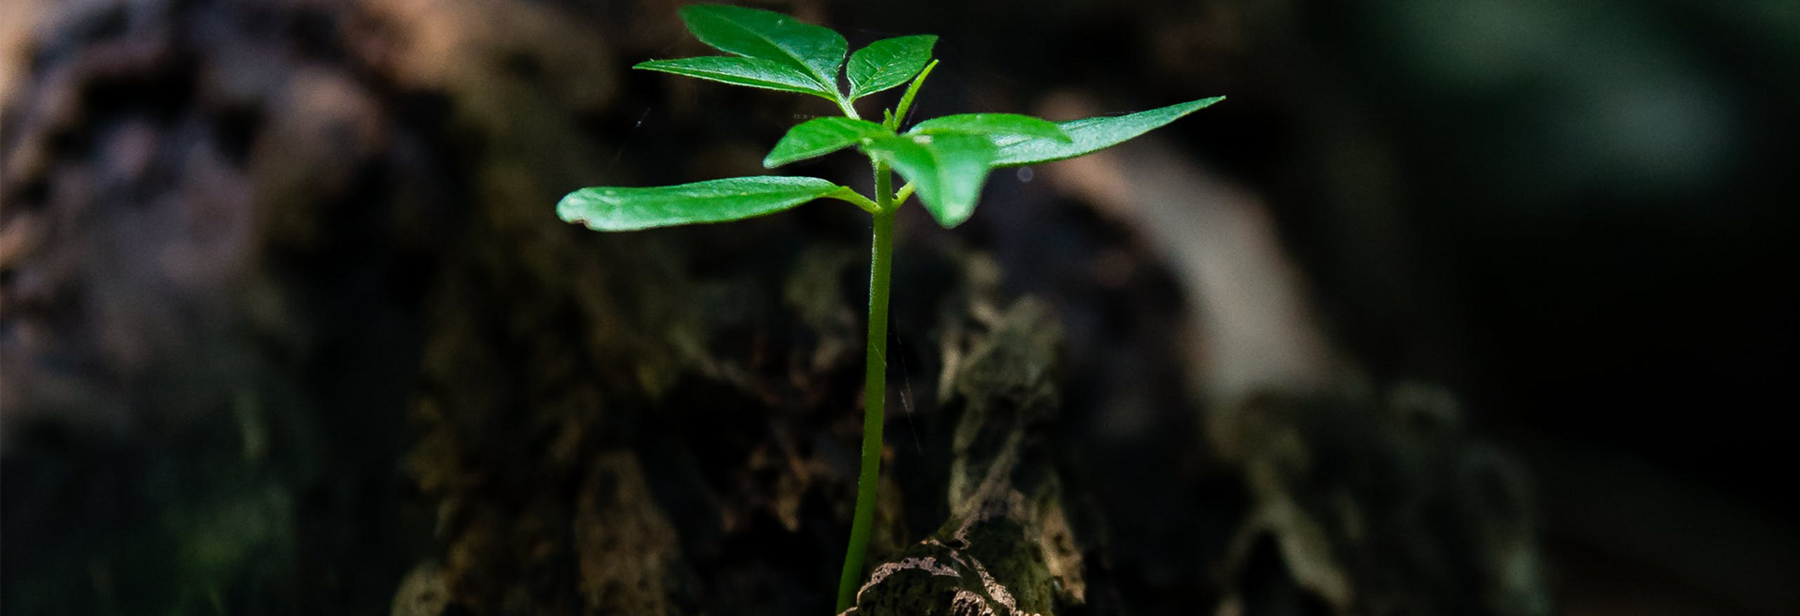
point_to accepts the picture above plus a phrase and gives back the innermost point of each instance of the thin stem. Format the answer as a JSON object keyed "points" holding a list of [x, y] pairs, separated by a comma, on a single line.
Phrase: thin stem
{"points": [[874, 389], [905, 191], [847, 195]]}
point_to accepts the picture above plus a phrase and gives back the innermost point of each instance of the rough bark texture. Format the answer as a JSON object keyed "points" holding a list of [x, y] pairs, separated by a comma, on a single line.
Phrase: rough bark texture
{"points": [[1384, 506], [1007, 547]]}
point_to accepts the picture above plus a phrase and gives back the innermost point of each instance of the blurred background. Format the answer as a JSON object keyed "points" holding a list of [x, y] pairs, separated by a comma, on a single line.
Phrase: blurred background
{"points": [[288, 325]]}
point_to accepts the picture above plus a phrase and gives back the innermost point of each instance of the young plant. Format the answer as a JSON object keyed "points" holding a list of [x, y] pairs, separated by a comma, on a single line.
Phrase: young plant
{"points": [[944, 161]]}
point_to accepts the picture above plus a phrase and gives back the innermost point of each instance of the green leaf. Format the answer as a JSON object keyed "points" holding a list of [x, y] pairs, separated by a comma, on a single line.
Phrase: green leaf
{"points": [[893, 121], [947, 170], [822, 136], [992, 125], [606, 208], [887, 63], [770, 36], [1093, 134], [753, 72]]}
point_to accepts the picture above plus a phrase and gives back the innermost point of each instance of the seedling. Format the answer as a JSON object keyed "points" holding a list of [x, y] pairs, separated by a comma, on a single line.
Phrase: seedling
{"points": [[944, 161]]}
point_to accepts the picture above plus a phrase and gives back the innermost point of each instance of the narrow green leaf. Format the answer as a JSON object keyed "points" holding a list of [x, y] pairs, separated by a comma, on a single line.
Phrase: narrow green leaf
{"points": [[1093, 134], [947, 169], [821, 136], [993, 125], [753, 72], [769, 36], [887, 63], [605, 208], [906, 100]]}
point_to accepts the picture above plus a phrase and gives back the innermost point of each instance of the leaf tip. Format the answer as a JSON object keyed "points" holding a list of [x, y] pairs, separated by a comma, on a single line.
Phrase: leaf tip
{"points": [[565, 207], [955, 214]]}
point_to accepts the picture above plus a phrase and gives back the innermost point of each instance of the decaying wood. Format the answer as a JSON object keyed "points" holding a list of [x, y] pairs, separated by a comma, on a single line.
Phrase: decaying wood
{"points": [[1006, 548], [1386, 506]]}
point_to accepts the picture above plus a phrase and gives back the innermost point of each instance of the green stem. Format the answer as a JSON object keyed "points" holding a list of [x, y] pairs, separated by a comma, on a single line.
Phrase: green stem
{"points": [[849, 195], [874, 389], [900, 197]]}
